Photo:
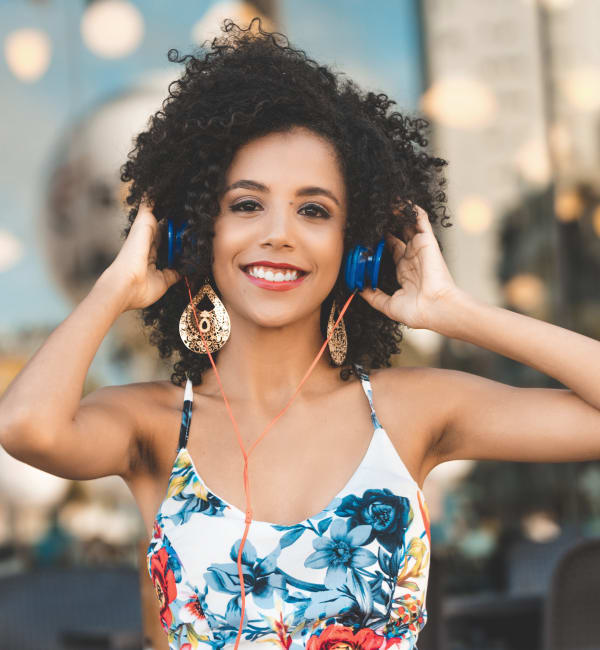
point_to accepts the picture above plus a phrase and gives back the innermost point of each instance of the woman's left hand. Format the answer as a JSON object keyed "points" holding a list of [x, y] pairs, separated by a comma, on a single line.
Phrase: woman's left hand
{"points": [[422, 274]]}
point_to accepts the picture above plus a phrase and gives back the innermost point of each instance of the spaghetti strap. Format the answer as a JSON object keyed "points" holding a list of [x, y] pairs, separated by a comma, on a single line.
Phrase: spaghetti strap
{"points": [[366, 384], [186, 415]]}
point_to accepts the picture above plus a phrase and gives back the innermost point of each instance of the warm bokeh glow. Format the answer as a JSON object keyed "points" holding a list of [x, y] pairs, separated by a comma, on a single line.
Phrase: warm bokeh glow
{"points": [[568, 205], [241, 13], [475, 214], [27, 52], [581, 87], [556, 5], [525, 291], [533, 161], [112, 28], [460, 102], [11, 250]]}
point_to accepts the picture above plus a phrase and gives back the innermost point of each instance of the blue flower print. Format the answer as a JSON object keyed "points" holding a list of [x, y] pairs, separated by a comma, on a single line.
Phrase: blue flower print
{"points": [[260, 577], [387, 515], [341, 552]]}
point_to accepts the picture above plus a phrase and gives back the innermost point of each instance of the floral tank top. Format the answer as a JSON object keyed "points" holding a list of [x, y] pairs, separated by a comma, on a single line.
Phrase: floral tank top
{"points": [[354, 574]]}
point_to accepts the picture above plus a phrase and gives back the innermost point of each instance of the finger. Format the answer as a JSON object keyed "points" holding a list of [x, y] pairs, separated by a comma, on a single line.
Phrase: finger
{"points": [[423, 223], [171, 276], [378, 299], [397, 247], [145, 215], [152, 255]]}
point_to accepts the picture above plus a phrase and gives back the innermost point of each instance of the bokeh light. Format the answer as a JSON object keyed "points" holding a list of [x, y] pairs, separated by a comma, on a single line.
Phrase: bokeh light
{"points": [[27, 52], [208, 27], [568, 205], [475, 214], [581, 87], [11, 250], [525, 291], [112, 28], [460, 102]]}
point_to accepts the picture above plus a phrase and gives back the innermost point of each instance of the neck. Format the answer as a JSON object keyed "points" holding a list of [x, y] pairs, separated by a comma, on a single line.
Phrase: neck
{"points": [[264, 365]]}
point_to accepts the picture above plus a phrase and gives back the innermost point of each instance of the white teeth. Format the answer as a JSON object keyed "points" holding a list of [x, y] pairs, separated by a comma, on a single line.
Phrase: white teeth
{"points": [[272, 276]]}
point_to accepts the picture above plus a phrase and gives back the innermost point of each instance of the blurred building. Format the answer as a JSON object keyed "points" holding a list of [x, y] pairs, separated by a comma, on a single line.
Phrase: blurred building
{"points": [[514, 92]]}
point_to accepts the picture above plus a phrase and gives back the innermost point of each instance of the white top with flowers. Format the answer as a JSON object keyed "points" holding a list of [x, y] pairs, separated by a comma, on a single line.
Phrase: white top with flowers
{"points": [[354, 574]]}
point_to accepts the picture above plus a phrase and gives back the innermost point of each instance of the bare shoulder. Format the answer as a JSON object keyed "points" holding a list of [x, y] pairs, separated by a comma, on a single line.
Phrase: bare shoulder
{"points": [[145, 406], [416, 385], [410, 404]]}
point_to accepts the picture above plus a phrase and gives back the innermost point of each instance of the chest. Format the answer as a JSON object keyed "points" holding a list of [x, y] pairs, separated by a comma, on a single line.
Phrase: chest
{"points": [[302, 461], [362, 560]]}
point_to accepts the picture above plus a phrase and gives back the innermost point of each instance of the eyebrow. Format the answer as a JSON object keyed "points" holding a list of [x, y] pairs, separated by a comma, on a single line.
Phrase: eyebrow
{"points": [[303, 191]]}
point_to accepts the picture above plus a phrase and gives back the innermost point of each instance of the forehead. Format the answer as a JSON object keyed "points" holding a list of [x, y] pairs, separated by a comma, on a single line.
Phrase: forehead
{"points": [[297, 157]]}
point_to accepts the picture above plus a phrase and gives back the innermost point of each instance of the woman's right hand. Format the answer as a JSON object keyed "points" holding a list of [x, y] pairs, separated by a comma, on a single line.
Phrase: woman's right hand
{"points": [[135, 264]]}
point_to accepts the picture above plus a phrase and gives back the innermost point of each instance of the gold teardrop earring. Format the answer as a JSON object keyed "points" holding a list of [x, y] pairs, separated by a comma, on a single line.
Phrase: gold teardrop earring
{"points": [[215, 324], [338, 343]]}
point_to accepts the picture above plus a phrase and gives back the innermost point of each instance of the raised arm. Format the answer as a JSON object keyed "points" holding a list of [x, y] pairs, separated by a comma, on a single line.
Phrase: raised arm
{"points": [[43, 419], [480, 418], [487, 419]]}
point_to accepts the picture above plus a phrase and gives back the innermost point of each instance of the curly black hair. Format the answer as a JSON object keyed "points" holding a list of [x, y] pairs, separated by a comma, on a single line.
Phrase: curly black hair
{"points": [[250, 83]]}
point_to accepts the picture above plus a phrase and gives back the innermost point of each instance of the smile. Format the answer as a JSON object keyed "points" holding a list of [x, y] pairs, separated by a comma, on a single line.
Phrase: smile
{"points": [[274, 278]]}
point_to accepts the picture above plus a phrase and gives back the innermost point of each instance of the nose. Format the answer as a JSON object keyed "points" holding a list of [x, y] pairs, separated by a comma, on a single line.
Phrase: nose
{"points": [[278, 232]]}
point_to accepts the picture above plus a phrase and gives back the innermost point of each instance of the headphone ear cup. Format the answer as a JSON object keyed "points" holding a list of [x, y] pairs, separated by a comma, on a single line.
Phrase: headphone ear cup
{"points": [[170, 243], [355, 268], [362, 269], [374, 264], [175, 241]]}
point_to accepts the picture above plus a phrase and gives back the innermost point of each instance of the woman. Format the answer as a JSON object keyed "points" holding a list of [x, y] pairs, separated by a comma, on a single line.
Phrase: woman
{"points": [[276, 163]]}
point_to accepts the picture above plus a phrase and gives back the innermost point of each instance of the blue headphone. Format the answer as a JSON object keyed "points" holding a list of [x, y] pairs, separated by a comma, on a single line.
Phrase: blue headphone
{"points": [[361, 267]]}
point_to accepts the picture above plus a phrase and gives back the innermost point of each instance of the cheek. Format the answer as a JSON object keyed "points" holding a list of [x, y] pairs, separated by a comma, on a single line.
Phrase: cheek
{"points": [[226, 243], [330, 251]]}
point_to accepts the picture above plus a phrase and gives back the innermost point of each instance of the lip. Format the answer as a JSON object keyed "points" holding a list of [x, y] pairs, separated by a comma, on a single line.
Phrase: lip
{"points": [[276, 265], [275, 286]]}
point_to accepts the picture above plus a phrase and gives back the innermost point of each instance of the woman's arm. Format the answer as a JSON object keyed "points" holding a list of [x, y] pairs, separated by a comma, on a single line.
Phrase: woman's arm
{"points": [[38, 409], [488, 419], [43, 420], [480, 418]]}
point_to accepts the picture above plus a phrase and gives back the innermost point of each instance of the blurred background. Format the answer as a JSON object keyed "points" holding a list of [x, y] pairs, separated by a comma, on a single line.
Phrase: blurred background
{"points": [[512, 90]]}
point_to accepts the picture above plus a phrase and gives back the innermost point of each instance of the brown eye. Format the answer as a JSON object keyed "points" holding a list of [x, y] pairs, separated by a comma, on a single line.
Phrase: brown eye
{"points": [[323, 214], [237, 206]]}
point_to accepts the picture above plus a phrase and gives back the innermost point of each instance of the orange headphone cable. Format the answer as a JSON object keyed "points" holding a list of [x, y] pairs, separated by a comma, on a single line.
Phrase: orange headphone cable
{"points": [[245, 454]]}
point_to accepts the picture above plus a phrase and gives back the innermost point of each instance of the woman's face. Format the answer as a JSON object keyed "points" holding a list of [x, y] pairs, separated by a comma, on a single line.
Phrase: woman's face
{"points": [[284, 204]]}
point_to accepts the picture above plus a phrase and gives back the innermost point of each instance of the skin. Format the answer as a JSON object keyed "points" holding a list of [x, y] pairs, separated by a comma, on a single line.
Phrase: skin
{"points": [[432, 415], [330, 418]]}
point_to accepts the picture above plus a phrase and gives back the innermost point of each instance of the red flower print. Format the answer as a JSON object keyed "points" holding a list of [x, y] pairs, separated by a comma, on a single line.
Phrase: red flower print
{"points": [[164, 584], [194, 608], [285, 640], [340, 637]]}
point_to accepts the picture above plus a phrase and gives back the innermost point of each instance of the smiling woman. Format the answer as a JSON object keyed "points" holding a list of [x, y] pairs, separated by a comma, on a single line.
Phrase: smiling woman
{"points": [[339, 159], [278, 168], [269, 224]]}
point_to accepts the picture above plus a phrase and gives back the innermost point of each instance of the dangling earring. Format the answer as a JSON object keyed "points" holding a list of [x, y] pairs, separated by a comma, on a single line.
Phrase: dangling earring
{"points": [[338, 343], [215, 324]]}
